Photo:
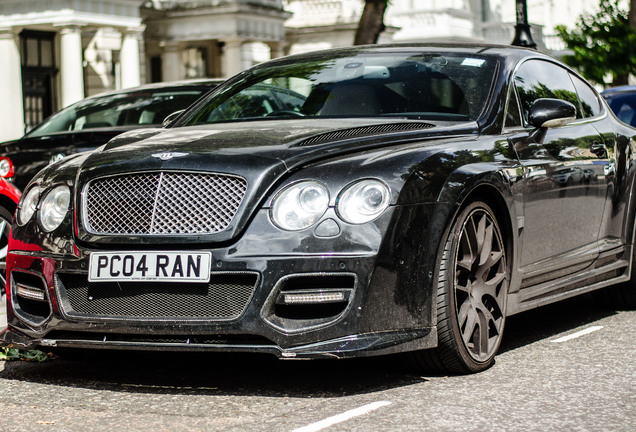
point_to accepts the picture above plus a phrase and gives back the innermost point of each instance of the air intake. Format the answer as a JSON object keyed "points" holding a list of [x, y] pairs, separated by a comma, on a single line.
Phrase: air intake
{"points": [[364, 131]]}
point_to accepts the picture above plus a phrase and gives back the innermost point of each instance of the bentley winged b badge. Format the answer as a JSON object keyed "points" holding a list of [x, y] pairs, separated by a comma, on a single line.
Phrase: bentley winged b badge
{"points": [[169, 155]]}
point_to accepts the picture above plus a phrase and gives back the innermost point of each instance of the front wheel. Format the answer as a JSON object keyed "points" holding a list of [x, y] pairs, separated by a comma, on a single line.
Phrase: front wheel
{"points": [[472, 290]]}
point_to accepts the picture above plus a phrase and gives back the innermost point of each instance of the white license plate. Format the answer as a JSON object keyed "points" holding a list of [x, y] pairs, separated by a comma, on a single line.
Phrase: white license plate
{"points": [[150, 266]]}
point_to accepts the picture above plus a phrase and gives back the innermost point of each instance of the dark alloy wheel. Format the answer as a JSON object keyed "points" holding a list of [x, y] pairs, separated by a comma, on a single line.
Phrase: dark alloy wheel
{"points": [[472, 293]]}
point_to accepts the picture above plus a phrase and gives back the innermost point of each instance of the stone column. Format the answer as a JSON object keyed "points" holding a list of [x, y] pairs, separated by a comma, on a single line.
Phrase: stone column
{"points": [[276, 49], [130, 59], [71, 67], [171, 61], [232, 59], [11, 108]]}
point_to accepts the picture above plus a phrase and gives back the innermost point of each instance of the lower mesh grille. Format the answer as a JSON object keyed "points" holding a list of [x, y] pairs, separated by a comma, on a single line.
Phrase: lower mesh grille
{"points": [[226, 296]]}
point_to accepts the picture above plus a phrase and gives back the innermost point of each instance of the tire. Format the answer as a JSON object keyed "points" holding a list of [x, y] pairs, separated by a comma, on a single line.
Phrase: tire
{"points": [[472, 292], [6, 216]]}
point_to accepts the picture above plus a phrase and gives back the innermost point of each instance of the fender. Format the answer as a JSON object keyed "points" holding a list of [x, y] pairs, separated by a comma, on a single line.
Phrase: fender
{"points": [[9, 190]]}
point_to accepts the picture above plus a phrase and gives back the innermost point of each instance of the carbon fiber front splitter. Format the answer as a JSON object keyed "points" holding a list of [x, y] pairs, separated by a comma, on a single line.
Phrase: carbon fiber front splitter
{"points": [[350, 346]]}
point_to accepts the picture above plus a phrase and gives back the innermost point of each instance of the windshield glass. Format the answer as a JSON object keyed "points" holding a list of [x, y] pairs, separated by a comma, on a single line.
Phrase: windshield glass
{"points": [[425, 86], [142, 107]]}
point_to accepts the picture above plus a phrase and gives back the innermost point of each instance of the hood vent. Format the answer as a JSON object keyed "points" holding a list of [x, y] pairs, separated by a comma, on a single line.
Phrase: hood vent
{"points": [[364, 131]]}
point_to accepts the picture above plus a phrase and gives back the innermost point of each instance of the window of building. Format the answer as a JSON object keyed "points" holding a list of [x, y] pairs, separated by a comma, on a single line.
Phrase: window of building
{"points": [[38, 76]]}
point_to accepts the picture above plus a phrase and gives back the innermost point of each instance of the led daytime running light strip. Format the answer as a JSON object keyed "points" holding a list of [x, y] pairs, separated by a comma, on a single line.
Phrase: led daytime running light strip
{"points": [[30, 294], [307, 298]]}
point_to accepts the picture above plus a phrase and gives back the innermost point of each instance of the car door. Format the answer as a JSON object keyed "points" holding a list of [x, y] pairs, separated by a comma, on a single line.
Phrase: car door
{"points": [[564, 177]]}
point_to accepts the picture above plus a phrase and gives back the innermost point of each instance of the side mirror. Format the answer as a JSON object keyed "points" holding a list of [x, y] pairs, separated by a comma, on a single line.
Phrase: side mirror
{"points": [[170, 118], [548, 113]]}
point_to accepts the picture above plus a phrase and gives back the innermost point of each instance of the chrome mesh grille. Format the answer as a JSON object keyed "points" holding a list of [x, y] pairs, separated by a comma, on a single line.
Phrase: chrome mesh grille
{"points": [[162, 203]]}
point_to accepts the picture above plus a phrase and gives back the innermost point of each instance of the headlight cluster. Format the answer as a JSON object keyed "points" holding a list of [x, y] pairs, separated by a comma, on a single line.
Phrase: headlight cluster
{"points": [[302, 204], [51, 209], [6, 167], [363, 201]]}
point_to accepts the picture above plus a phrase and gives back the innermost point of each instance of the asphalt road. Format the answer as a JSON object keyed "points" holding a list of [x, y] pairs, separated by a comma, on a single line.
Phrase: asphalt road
{"points": [[565, 367]]}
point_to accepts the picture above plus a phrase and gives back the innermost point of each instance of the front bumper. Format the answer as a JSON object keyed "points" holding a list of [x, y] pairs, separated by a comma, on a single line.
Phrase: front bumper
{"points": [[385, 307]]}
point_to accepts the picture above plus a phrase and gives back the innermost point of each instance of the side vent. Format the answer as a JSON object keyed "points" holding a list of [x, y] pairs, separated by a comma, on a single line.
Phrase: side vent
{"points": [[30, 297], [309, 300], [364, 131]]}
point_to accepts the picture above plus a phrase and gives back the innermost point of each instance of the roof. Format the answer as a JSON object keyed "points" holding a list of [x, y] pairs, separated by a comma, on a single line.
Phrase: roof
{"points": [[199, 82]]}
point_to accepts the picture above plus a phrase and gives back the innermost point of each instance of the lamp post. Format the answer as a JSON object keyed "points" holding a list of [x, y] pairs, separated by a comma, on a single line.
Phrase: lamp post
{"points": [[522, 29]]}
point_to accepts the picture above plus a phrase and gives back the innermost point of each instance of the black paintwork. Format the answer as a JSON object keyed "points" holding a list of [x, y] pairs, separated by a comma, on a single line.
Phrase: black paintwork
{"points": [[31, 155], [568, 227]]}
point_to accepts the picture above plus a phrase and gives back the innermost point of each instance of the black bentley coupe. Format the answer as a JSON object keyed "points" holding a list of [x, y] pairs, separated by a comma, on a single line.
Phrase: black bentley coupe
{"points": [[350, 202]]}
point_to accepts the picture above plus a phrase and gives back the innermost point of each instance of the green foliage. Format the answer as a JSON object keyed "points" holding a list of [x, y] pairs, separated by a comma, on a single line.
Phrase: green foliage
{"points": [[602, 44], [9, 354]]}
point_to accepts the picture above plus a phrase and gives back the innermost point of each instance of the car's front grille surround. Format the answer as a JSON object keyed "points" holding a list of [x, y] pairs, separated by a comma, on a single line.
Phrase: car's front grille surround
{"points": [[225, 297], [162, 203]]}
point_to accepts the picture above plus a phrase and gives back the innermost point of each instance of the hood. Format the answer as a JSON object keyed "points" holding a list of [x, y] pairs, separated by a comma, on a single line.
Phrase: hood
{"points": [[261, 152], [291, 142]]}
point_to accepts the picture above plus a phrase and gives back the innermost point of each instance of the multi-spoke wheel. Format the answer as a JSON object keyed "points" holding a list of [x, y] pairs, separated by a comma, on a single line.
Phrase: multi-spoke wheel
{"points": [[472, 294]]}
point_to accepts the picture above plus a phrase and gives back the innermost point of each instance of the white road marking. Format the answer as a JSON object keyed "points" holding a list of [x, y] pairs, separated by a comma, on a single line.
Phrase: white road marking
{"points": [[577, 334], [330, 421]]}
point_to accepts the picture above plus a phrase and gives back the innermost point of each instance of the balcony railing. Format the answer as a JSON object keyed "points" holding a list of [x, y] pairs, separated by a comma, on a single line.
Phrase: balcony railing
{"points": [[323, 12], [121, 8], [190, 4]]}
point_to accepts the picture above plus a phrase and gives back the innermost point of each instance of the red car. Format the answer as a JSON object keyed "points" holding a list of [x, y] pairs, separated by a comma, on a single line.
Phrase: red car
{"points": [[9, 197]]}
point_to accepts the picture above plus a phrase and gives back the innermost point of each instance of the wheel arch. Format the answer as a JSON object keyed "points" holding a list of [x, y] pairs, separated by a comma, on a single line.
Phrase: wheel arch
{"points": [[495, 190], [8, 204]]}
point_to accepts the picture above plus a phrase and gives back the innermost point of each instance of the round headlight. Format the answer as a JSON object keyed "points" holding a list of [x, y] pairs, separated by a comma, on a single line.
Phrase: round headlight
{"points": [[54, 207], [28, 205], [300, 205], [6, 168], [363, 201]]}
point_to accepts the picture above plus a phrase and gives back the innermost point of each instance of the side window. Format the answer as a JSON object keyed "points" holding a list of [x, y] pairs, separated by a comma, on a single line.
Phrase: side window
{"points": [[512, 114], [537, 79], [590, 105]]}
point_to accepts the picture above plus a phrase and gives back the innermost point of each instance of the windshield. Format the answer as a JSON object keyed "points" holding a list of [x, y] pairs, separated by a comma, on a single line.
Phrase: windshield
{"points": [[141, 107], [407, 85]]}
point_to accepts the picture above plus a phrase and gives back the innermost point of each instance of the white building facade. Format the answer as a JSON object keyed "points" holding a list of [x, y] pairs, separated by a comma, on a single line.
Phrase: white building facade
{"points": [[211, 38], [491, 21], [56, 52]]}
